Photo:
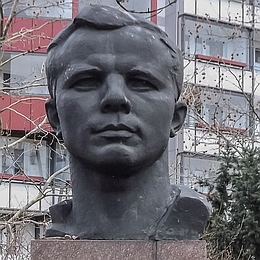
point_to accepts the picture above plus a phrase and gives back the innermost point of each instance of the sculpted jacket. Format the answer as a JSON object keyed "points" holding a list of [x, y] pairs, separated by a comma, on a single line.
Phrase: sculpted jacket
{"points": [[184, 219]]}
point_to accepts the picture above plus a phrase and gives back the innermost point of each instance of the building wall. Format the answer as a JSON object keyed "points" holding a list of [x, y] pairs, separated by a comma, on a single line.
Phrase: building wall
{"points": [[220, 60], [18, 246], [222, 64], [222, 68], [220, 43], [140, 7], [26, 165]]}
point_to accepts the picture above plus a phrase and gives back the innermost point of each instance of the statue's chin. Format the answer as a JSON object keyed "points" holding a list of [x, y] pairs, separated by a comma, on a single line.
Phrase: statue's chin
{"points": [[116, 158]]}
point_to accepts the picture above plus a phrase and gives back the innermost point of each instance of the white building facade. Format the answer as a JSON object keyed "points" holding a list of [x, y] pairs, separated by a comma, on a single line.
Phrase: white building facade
{"points": [[220, 41]]}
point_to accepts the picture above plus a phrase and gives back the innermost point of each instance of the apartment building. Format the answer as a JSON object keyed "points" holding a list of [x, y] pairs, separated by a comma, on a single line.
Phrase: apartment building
{"points": [[220, 40], [29, 151], [220, 44]]}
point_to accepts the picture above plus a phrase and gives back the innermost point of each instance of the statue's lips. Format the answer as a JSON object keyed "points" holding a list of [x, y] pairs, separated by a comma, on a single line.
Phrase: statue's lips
{"points": [[114, 131]]}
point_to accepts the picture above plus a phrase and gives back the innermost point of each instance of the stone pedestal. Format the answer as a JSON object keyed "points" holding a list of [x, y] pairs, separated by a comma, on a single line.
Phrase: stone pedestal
{"points": [[53, 249]]}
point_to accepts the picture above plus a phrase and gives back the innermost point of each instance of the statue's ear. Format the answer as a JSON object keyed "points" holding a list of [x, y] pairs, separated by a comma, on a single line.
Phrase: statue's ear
{"points": [[178, 117], [53, 117]]}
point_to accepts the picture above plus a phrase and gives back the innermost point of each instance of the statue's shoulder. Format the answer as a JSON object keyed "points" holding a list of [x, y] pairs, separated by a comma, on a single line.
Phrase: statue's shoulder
{"points": [[187, 199], [60, 214], [186, 217]]}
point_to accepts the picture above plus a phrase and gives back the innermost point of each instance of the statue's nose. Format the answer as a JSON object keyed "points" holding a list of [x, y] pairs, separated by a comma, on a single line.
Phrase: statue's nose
{"points": [[115, 99]]}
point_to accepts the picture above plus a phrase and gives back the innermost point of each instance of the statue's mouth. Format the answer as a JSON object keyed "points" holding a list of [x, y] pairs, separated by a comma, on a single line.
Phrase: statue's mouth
{"points": [[117, 132], [116, 128]]}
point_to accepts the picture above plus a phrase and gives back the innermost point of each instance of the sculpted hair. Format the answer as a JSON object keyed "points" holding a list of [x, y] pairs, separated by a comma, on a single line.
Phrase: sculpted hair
{"points": [[107, 18]]}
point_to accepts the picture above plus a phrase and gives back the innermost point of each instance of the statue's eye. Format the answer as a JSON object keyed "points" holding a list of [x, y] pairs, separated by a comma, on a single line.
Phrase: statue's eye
{"points": [[86, 84], [141, 85]]}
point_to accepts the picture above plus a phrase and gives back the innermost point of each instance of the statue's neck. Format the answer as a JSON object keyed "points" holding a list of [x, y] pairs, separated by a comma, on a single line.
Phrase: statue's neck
{"points": [[118, 200]]}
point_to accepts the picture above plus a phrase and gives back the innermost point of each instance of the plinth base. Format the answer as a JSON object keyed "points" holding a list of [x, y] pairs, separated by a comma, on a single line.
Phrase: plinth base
{"points": [[53, 249]]}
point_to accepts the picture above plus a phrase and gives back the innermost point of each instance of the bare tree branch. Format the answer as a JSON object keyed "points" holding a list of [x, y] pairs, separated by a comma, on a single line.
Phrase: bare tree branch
{"points": [[10, 18], [119, 2], [40, 196]]}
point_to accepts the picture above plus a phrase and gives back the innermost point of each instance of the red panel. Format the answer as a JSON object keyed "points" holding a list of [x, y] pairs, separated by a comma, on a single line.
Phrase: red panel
{"points": [[30, 33], [220, 60], [7, 48], [5, 101], [20, 32], [42, 34], [75, 8], [221, 128], [154, 14], [21, 178], [58, 25], [7, 45], [20, 113], [24, 112], [37, 110]]}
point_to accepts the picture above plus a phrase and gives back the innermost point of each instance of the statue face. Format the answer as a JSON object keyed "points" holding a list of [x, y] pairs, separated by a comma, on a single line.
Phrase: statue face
{"points": [[115, 97]]}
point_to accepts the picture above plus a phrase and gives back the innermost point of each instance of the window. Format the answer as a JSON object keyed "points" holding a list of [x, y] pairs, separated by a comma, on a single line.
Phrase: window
{"points": [[216, 40], [37, 231], [214, 114], [257, 56], [210, 47], [41, 9], [29, 79], [13, 161], [136, 5], [257, 49], [59, 159], [257, 115], [236, 11], [256, 2], [220, 108], [6, 79], [196, 168], [257, 59], [28, 158], [199, 175]]}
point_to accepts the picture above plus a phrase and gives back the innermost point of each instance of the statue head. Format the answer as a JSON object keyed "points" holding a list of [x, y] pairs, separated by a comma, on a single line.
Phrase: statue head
{"points": [[114, 81]]}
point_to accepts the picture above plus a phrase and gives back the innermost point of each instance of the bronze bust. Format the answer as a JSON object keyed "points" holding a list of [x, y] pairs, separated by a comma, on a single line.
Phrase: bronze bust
{"points": [[115, 81]]}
